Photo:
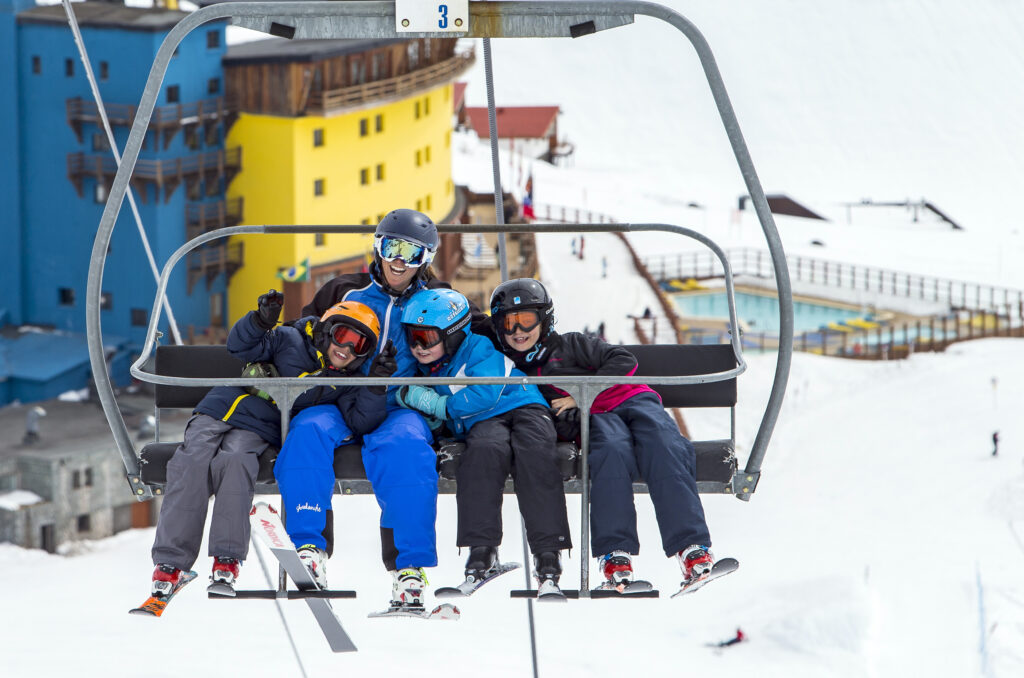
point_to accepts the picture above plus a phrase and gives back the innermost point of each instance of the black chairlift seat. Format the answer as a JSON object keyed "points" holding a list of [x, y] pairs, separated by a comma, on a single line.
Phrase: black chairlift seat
{"points": [[716, 459]]}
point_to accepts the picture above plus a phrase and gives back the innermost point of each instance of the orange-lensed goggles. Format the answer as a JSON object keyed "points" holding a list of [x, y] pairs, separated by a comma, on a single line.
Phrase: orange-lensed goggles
{"points": [[524, 320], [343, 334], [425, 337]]}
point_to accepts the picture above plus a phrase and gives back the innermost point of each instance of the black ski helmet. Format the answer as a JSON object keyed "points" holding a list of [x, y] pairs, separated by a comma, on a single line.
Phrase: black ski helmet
{"points": [[522, 294], [409, 225]]}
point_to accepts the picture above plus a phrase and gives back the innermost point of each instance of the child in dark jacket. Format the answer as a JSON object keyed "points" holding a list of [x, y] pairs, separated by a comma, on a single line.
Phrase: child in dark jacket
{"points": [[506, 428], [232, 426], [631, 436]]}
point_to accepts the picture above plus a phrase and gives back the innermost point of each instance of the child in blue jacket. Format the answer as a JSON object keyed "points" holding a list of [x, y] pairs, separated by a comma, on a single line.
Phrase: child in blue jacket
{"points": [[507, 428], [232, 426]]}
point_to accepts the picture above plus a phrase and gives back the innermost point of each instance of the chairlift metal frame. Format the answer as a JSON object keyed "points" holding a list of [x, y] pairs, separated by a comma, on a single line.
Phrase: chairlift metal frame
{"points": [[376, 19]]}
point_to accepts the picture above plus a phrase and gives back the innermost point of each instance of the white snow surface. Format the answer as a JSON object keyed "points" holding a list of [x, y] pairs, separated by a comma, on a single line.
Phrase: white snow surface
{"points": [[884, 538]]}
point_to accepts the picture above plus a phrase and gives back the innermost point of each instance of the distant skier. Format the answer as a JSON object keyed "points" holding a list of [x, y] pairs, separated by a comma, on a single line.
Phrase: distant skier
{"points": [[738, 638], [995, 443]]}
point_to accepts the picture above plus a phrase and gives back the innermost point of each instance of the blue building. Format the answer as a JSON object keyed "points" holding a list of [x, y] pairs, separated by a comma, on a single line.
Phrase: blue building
{"points": [[57, 160]]}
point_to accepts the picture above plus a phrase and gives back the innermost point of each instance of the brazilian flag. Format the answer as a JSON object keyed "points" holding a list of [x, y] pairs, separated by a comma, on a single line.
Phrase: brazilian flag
{"points": [[297, 273]]}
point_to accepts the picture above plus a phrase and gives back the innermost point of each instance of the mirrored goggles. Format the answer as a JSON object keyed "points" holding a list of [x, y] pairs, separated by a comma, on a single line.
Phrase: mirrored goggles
{"points": [[524, 320], [413, 255], [425, 337], [343, 334]]}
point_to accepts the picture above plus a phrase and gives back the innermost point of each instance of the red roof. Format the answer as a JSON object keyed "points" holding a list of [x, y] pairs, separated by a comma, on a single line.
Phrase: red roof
{"points": [[459, 95], [515, 122]]}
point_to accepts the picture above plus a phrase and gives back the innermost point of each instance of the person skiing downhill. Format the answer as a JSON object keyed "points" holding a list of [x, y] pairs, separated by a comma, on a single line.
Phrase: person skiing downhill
{"points": [[397, 455], [232, 426], [631, 436], [507, 428]]}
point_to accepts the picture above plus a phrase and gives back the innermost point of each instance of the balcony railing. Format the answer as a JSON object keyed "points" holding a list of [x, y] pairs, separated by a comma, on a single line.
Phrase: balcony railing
{"points": [[334, 100], [214, 259], [203, 217], [166, 173], [167, 119]]}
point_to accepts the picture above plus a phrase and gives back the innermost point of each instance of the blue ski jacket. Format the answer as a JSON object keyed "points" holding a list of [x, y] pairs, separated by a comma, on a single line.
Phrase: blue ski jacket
{"points": [[477, 357], [290, 349]]}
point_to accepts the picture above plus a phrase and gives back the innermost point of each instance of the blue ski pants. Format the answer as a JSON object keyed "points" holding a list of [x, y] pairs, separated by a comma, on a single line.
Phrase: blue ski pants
{"points": [[400, 465], [639, 439]]}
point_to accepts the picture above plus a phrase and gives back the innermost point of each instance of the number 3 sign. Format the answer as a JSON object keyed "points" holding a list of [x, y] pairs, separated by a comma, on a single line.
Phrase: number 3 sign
{"points": [[431, 16]]}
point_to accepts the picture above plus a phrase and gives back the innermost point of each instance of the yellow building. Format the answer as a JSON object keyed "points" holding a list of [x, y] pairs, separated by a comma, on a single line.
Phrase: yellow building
{"points": [[335, 132]]}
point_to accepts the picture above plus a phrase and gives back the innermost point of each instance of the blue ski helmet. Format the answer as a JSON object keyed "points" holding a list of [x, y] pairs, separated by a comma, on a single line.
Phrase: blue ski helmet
{"points": [[440, 309]]}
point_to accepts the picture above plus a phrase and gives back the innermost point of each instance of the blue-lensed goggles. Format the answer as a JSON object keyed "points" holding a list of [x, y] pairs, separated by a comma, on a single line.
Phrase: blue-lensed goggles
{"points": [[413, 255]]}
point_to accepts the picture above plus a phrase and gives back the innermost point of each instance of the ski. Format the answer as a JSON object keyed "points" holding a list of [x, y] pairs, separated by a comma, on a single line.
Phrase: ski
{"points": [[719, 569], [155, 605], [638, 588], [267, 526], [445, 611], [472, 585], [219, 588]]}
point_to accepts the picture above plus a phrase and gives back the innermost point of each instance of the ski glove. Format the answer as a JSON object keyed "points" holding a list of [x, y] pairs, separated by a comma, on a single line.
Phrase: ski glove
{"points": [[268, 309], [384, 365], [425, 400]]}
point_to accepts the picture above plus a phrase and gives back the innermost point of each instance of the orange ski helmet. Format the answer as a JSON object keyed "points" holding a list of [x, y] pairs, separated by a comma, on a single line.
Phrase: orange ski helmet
{"points": [[348, 322]]}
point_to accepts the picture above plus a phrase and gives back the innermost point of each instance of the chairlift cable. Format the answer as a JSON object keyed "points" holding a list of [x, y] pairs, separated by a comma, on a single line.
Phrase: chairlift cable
{"points": [[84, 55]]}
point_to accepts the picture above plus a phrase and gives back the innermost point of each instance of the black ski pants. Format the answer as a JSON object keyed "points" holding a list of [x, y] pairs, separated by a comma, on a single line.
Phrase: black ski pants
{"points": [[521, 441], [639, 439]]}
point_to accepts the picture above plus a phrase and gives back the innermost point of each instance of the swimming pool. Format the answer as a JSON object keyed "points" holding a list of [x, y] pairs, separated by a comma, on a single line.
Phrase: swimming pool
{"points": [[760, 312]]}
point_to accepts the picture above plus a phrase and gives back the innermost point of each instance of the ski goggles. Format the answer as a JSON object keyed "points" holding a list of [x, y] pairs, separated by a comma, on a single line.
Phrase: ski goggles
{"points": [[344, 334], [524, 320], [390, 248], [424, 337]]}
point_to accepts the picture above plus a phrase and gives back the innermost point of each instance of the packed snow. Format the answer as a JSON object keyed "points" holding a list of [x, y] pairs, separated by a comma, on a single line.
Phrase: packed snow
{"points": [[884, 539]]}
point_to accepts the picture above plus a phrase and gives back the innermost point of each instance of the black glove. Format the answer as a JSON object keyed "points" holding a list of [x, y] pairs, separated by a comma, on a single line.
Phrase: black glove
{"points": [[567, 424], [268, 309], [384, 365]]}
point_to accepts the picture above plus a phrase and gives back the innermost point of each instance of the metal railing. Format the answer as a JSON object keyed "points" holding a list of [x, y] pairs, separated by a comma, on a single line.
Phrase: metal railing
{"points": [[158, 170], [758, 263]]}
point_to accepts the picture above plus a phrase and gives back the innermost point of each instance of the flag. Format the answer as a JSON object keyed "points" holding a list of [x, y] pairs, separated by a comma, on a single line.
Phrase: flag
{"points": [[297, 273], [528, 198]]}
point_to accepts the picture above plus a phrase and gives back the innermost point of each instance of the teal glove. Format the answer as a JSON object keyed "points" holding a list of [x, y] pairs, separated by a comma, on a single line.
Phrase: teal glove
{"points": [[424, 400]]}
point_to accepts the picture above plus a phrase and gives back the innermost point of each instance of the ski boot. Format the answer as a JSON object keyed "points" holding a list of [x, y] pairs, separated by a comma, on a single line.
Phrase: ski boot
{"points": [[481, 563], [548, 567], [696, 562], [408, 587], [165, 578], [315, 561], [222, 580], [617, 568]]}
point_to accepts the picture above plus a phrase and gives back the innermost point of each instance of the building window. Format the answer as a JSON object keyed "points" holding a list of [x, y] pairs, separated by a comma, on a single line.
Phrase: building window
{"points": [[99, 142], [378, 123], [448, 139], [379, 66], [419, 157], [212, 39], [318, 137], [104, 70], [37, 65], [217, 309], [380, 218], [84, 523], [213, 86], [76, 480], [194, 189], [100, 193], [319, 239], [426, 153], [318, 187], [88, 477], [106, 301], [365, 221], [380, 172], [416, 110], [192, 137], [66, 296], [357, 71], [173, 94], [212, 135], [69, 67], [364, 176], [419, 205], [426, 105], [364, 127], [412, 51], [429, 205], [140, 317], [213, 187]]}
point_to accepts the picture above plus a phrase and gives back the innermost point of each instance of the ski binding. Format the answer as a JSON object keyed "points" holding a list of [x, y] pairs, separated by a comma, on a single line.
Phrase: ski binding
{"points": [[719, 569], [472, 585]]}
